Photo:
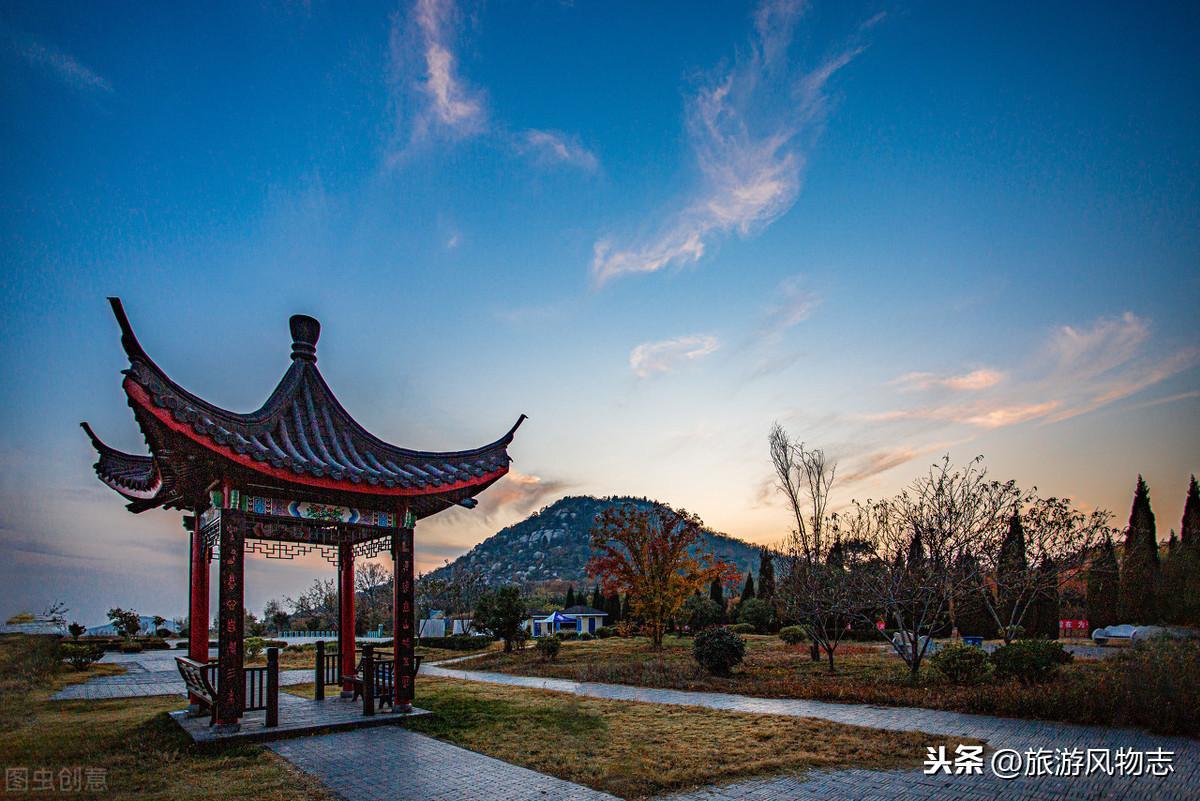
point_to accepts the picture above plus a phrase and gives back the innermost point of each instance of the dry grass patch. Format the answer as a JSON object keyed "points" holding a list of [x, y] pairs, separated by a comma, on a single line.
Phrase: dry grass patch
{"points": [[145, 753], [636, 750], [865, 674]]}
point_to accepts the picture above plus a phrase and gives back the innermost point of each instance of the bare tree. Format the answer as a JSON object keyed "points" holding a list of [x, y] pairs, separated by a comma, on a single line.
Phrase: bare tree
{"points": [[920, 539], [373, 586], [318, 604], [1048, 540], [814, 587]]}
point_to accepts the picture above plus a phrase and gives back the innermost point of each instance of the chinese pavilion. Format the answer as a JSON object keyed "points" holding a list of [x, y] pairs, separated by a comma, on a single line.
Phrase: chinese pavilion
{"points": [[297, 475]]}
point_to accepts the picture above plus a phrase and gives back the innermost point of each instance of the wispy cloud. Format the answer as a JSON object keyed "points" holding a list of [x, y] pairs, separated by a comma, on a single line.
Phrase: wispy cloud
{"points": [[433, 98], [749, 131], [664, 356], [555, 148], [59, 64], [982, 378], [793, 304], [1076, 371]]}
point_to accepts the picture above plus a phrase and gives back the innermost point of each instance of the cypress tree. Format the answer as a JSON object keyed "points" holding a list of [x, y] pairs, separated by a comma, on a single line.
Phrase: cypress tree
{"points": [[766, 575], [1011, 566], [1170, 596], [614, 608], [1189, 542], [970, 613], [1138, 603], [717, 593], [748, 588], [1103, 582], [1189, 531], [570, 597], [626, 614], [1042, 617], [597, 601]]}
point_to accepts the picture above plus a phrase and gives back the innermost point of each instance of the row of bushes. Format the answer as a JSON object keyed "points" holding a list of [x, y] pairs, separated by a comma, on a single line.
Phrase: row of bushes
{"points": [[1027, 661], [455, 642], [121, 644]]}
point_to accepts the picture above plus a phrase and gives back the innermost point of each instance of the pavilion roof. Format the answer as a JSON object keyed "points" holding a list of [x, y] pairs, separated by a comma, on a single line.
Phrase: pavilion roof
{"points": [[301, 436]]}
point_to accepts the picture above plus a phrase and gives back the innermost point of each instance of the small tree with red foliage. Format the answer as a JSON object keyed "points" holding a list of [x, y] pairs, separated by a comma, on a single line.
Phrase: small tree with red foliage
{"points": [[650, 555]]}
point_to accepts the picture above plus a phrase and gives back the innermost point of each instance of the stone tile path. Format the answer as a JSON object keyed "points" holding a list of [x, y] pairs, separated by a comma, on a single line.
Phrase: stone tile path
{"points": [[147, 673], [395, 763], [1000, 733]]}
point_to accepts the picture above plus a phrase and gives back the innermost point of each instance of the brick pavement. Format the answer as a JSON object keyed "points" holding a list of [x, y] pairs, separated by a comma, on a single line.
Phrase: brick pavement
{"points": [[393, 763]]}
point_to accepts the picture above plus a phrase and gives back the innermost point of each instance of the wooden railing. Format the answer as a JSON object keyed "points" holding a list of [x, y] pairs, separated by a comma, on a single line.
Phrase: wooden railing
{"points": [[262, 686], [327, 668]]}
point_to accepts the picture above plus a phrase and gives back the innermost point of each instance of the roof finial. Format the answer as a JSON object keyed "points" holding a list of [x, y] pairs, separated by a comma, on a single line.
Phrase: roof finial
{"points": [[305, 333]]}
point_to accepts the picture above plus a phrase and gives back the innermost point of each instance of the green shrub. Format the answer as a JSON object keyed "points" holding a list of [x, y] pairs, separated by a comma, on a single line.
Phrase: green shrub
{"points": [[586, 636], [742, 628], [162, 631], [1153, 684], [280, 644], [567, 635], [793, 635], [548, 648], [1029, 661], [80, 654], [76, 630], [182, 645], [131, 647], [961, 664], [604, 632], [719, 650], [253, 647], [154, 643], [29, 658], [757, 613], [701, 612], [458, 642]]}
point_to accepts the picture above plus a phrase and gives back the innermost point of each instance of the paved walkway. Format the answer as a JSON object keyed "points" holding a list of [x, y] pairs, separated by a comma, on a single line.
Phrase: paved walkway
{"points": [[396, 763], [147, 673], [1000, 733]]}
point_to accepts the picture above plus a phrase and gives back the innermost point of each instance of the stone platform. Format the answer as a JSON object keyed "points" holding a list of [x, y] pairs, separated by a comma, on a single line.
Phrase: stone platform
{"points": [[297, 717]]}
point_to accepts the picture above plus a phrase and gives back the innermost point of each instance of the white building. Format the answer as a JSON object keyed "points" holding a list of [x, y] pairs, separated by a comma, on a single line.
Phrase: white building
{"points": [[579, 619]]}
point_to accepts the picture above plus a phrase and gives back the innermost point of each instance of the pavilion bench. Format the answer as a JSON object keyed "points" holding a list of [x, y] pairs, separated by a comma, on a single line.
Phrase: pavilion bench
{"points": [[261, 686], [195, 676], [373, 679]]}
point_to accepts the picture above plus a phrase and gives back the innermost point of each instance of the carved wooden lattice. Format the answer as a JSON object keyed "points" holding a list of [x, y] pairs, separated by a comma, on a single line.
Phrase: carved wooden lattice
{"points": [[365, 550], [279, 549]]}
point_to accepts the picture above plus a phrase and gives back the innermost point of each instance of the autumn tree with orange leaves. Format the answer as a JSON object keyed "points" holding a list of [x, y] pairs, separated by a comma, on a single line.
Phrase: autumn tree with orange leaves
{"points": [[649, 554]]}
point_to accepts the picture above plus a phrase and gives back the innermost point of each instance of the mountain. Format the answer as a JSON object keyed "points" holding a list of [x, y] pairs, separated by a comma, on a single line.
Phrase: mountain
{"points": [[554, 544]]}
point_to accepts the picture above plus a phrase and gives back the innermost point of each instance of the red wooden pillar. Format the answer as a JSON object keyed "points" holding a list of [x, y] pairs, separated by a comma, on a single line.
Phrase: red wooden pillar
{"points": [[402, 619], [346, 614], [231, 686], [198, 600]]}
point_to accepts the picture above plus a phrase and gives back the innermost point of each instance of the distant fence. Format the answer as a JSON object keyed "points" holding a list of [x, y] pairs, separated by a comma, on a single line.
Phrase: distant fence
{"points": [[324, 634]]}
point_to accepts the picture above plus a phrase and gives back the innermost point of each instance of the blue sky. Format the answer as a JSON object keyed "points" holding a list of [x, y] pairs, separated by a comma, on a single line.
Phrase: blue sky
{"points": [[900, 229]]}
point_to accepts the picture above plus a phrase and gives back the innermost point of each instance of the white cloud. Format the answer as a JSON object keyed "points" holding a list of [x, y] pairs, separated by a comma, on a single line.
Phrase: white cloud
{"points": [[749, 132], [664, 356], [61, 65], [426, 72], [555, 147]]}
